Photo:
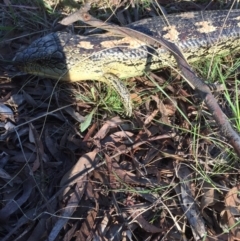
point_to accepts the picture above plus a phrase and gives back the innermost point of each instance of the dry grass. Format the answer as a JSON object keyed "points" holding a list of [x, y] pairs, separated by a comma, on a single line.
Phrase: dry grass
{"points": [[110, 177]]}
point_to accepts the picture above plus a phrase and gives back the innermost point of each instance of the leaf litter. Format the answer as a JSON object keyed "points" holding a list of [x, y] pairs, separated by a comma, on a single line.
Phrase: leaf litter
{"points": [[117, 179], [148, 178]]}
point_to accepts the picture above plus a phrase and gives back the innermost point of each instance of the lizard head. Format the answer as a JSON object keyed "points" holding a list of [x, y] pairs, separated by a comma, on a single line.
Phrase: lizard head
{"points": [[44, 57]]}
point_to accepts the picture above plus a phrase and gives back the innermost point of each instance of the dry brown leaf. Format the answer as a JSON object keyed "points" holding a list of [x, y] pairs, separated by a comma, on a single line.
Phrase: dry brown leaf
{"points": [[164, 115], [70, 208], [232, 203], [151, 117], [210, 196], [23, 158], [8, 127], [52, 147], [170, 106], [86, 230], [129, 177], [90, 132], [14, 205], [4, 175], [103, 227], [136, 98], [24, 220], [114, 122], [112, 178], [40, 229], [6, 113], [188, 203], [144, 224], [35, 138], [153, 112], [7, 2], [118, 136], [16, 100], [114, 232], [74, 114], [30, 99], [70, 234], [79, 170]]}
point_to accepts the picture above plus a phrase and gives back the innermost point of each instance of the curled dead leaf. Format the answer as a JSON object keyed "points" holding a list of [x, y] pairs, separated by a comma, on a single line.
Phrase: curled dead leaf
{"points": [[232, 203]]}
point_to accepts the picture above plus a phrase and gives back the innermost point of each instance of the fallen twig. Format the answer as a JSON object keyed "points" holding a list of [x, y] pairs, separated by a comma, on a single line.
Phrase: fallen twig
{"points": [[189, 75]]}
